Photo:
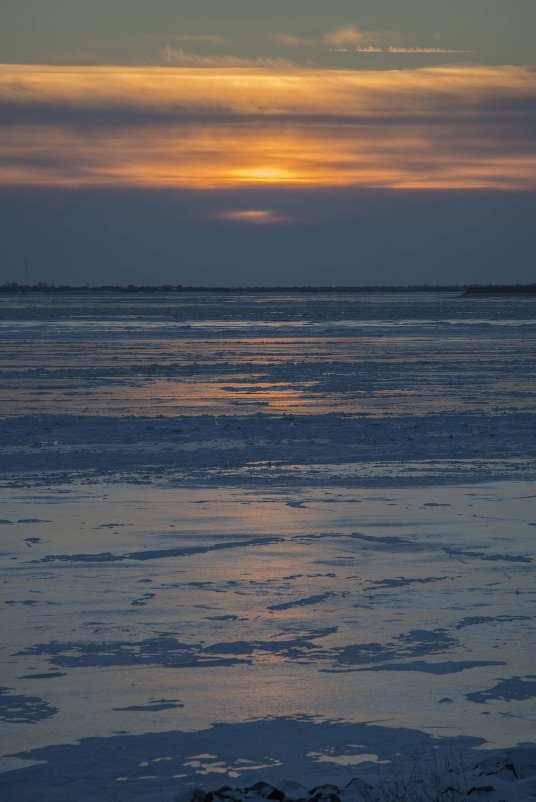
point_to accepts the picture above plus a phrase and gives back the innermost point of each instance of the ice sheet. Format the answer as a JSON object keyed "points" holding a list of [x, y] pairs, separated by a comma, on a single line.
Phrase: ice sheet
{"points": [[262, 536]]}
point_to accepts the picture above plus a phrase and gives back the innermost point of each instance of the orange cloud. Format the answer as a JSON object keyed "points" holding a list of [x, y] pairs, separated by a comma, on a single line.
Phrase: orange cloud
{"points": [[349, 36], [350, 39], [180, 58], [430, 50], [290, 40], [254, 216], [224, 126], [411, 51]]}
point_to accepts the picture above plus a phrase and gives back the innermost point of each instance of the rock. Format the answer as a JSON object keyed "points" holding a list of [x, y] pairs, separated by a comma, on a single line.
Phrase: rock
{"points": [[523, 762], [516, 764], [225, 792], [293, 790], [266, 791], [325, 793], [197, 795], [355, 791]]}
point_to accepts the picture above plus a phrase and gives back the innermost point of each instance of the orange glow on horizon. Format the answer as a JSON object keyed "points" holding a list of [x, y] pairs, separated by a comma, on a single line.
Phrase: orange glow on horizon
{"points": [[256, 216], [432, 128]]}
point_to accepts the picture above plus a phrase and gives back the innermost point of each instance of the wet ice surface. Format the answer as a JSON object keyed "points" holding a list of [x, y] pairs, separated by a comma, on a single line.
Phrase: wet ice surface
{"points": [[162, 609], [309, 520], [377, 355]]}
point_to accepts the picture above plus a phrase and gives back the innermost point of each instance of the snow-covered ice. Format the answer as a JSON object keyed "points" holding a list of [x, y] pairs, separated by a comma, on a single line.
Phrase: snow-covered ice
{"points": [[259, 538]]}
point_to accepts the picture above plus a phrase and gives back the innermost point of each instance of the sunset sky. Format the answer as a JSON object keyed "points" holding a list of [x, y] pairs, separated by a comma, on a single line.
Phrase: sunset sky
{"points": [[245, 142]]}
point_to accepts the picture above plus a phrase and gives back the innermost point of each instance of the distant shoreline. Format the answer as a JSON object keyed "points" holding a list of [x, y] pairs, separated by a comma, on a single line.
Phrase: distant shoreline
{"points": [[472, 289]]}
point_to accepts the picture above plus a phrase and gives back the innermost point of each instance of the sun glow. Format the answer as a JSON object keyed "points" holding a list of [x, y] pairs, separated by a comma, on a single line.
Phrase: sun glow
{"points": [[443, 127], [265, 175], [257, 216]]}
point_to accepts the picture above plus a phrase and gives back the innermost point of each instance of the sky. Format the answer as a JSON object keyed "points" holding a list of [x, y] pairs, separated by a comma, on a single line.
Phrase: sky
{"points": [[245, 142]]}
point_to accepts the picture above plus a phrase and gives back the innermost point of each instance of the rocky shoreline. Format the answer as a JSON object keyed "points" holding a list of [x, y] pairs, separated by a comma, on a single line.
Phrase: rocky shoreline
{"points": [[506, 777]]}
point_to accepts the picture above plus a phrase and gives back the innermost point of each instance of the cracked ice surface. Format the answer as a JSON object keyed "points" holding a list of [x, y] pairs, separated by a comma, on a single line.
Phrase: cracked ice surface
{"points": [[308, 519]]}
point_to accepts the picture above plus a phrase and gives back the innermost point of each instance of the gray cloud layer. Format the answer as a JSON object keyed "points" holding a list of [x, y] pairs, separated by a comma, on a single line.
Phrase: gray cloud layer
{"points": [[352, 236]]}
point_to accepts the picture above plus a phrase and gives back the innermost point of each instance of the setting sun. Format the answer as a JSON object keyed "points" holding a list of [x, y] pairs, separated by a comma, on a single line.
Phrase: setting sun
{"points": [[265, 175]]}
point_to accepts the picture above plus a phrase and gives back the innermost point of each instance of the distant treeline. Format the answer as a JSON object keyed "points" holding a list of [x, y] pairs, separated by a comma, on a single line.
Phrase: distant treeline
{"points": [[500, 289], [472, 289]]}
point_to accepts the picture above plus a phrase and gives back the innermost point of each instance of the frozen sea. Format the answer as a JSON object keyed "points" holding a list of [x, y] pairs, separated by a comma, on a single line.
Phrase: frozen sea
{"points": [[266, 536]]}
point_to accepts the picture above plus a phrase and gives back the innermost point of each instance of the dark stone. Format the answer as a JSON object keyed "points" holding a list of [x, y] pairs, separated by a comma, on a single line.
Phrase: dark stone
{"points": [[223, 792], [325, 793], [327, 789], [266, 791]]}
